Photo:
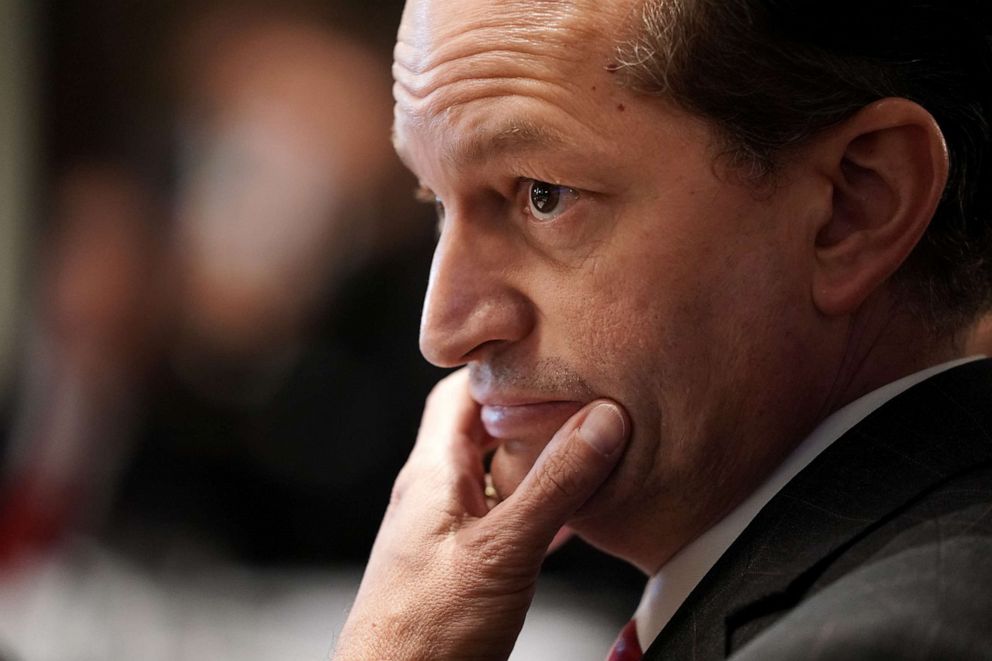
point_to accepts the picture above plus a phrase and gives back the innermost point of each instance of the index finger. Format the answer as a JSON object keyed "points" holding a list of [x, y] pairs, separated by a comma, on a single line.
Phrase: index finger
{"points": [[448, 455], [451, 416]]}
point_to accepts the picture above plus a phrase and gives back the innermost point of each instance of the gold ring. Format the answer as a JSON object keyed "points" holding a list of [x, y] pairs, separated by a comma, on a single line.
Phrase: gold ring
{"points": [[492, 496]]}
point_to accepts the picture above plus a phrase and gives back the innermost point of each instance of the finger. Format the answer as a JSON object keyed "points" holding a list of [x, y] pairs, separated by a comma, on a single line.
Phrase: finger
{"points": [[449, 410], [451, 431], [447, 421], [447, 459], [570, 469]]}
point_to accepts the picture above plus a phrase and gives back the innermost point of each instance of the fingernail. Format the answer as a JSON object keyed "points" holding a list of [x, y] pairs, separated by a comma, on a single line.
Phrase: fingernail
{"points": [[604, 429]]}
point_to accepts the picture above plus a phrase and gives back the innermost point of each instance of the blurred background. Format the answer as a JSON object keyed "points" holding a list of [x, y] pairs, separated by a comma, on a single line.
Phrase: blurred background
{"points": [[211, 271]]}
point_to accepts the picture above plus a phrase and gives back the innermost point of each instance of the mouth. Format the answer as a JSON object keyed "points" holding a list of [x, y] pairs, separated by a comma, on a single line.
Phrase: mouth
{"points": [[528, 419]]}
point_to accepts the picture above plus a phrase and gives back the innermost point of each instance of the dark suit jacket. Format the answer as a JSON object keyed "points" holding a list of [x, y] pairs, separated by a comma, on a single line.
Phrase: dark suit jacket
{"points": [[880, 549]]}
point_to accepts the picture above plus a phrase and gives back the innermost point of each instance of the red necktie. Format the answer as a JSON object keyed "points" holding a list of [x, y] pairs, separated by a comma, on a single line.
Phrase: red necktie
{"points": [[626, 648]]}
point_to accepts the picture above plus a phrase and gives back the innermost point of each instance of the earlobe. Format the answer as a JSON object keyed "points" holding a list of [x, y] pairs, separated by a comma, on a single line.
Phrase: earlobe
{"points": [[888, 168]]}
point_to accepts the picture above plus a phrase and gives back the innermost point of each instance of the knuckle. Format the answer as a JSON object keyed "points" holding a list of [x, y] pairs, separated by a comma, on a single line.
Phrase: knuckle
{"points": [[491, 553]]}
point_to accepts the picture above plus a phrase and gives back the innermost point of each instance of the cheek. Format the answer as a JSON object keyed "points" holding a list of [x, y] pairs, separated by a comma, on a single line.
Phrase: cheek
{"points": [[653, 333], [625, 325], [617, 337]]}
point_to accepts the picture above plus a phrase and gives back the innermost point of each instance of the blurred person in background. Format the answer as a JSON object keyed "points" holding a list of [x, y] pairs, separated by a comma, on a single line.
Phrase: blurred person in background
{"points": [[223, 352], [289, 185], [226, 347], [298, 262]]}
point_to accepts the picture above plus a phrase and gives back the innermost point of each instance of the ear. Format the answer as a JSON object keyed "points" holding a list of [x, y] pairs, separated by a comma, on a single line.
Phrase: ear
{"points": [[887, 166]]}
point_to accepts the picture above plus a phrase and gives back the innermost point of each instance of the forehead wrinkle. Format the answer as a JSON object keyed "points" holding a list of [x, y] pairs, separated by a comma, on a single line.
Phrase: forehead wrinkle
{"points": [[487, 35], [484, 67], [428, 26], [544, 33], [451, 53], [480, 62], [438, 107], [470, 73]]}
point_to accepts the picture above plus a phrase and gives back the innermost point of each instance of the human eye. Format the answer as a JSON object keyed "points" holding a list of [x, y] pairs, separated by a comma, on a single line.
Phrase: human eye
{"points": [[546, 201]]}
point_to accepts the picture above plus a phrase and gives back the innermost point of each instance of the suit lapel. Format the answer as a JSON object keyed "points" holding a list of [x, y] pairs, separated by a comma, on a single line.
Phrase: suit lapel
{"points": [[894, 457]]}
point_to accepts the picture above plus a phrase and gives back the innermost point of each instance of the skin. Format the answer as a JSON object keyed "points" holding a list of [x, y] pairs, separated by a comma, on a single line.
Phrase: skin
{"points": [[724, 318]]}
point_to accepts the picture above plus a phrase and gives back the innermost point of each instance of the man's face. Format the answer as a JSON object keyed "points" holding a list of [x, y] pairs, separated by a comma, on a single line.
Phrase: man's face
{"points": [[593, 246]]}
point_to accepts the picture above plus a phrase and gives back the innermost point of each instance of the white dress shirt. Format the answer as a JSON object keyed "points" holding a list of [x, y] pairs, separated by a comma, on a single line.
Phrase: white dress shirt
{"points": [[668, 588]]}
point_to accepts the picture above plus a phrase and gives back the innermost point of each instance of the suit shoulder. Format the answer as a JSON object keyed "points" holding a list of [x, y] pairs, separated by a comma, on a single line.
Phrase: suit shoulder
{"points": [[929, 600]]}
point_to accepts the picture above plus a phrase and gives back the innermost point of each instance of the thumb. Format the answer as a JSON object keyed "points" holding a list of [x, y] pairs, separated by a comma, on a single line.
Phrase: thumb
{"points": [[574, 464]]}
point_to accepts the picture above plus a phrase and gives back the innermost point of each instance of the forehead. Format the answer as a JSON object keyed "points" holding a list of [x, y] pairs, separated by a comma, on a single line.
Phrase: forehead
{"points": [[452, 52], [429, 24]]}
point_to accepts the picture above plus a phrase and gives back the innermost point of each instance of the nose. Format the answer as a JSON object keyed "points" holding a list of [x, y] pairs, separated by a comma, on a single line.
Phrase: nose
{"points": [[472, 308]]}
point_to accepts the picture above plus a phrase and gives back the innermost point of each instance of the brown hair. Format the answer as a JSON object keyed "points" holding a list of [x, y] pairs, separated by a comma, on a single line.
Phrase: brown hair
{"points": [[770, 74]]}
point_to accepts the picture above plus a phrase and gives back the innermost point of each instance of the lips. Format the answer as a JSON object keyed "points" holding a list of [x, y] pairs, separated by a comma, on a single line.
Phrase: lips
{"points": [[528, 419]]}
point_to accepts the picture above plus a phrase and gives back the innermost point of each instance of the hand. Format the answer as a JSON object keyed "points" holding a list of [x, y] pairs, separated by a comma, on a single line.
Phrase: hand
{"points": [[449, 578]]}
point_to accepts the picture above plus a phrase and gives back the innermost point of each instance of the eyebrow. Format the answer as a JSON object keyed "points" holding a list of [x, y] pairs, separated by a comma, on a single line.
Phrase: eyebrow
{"points": [[507, 137]]}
